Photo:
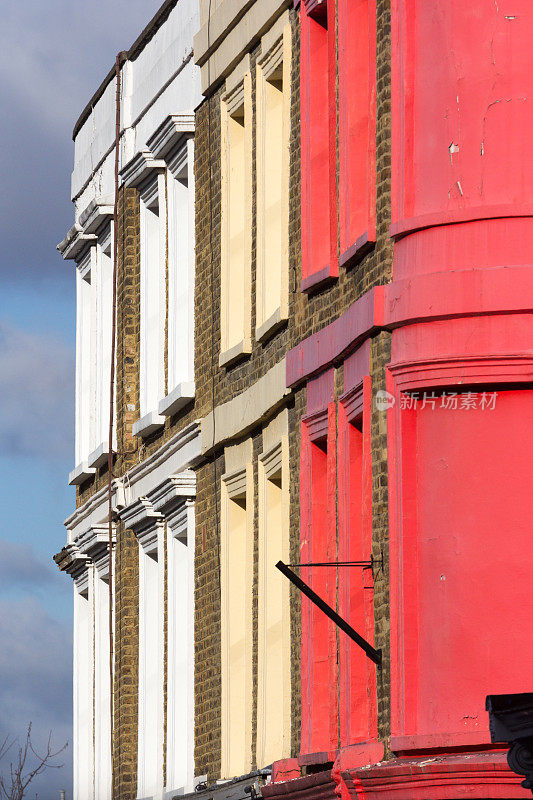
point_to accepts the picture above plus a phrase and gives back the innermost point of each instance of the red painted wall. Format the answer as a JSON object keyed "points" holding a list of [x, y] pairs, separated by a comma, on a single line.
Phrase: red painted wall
{"points": [[462, 109], [459, 474]]}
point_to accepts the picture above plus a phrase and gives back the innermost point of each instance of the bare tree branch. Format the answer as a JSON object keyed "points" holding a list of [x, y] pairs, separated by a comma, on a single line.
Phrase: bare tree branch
{"points": [[20, 776]]}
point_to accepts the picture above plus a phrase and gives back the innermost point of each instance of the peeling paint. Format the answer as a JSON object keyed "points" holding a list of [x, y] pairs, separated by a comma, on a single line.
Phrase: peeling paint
{"points": [[453, 148]]}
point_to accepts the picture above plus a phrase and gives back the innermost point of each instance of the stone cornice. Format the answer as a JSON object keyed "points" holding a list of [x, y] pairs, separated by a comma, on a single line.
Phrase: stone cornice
{"points": [[172, 131], [141, 167], [75, 241], [97, 213], [173, 491]]}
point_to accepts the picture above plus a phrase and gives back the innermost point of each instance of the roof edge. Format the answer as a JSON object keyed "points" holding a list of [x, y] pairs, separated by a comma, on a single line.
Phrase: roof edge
{"points": [[126, 55]]}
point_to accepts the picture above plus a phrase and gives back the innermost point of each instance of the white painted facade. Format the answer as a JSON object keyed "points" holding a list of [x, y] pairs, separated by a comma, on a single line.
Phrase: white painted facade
{"points": [[160, 88]]}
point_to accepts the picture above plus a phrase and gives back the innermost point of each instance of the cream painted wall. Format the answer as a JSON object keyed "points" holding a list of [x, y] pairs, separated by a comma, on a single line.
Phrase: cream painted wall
{"points": [[273, 139], [236, 617], [273, 705], [236, 213]]}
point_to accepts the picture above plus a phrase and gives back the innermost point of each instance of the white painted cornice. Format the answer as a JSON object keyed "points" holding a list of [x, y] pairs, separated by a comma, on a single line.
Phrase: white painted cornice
{"points": [[95, 540], [140, 168], [145, 522], [75, 241], [172, 131], [175, 457], [175, 490], [179, 453], [94, 511], [78, 565], [97, 213]]}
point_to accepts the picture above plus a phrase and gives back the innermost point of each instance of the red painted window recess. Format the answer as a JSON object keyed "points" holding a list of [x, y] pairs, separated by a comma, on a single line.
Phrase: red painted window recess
{"points": [[357, 127], [338, 39], [318, 544], [318, 137], [357, 674]]}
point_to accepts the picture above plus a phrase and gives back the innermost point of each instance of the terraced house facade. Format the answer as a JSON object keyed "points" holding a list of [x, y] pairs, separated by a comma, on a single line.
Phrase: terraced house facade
{"points": [[318, 216]]}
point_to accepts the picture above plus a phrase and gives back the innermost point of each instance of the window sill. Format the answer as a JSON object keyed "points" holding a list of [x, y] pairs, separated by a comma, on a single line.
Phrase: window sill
{"points": [[80, 474], [99, 457], [227, 357], [182, 394], [270, 325], [356, 251], [148, 424], [318, 280]]}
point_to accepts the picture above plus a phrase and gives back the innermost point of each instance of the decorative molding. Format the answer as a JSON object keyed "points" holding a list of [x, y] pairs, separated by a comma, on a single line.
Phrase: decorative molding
{"points": [[75, 242], [78, 566], [235, 94], [272, 58], [272, 459], [95, 540], [463, 370], [99, 211], [173, 499], [176, 489], [352, 401], [180, 453], [315, 6], [145, 522], [171, 133], [140, 168], [165, 453], [235, 483], [317, 425]]}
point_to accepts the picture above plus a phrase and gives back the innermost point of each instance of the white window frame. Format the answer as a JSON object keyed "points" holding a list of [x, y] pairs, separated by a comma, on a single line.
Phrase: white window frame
{"points": [[94, 296], [180, 312], [83, 752], [234, 344], [102, 682], [180, 655], [103, 295], [153, 246], [272, 302], [151, 656]]}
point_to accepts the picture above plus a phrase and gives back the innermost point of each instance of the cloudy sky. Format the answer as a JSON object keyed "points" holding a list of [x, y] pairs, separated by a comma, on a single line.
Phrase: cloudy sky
{"points": [[53, 55]]}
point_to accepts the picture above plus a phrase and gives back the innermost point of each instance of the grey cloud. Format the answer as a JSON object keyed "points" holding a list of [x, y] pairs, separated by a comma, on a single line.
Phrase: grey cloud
{"points": [[53, 56], [36, 685], [21, 568], [36, 397]]}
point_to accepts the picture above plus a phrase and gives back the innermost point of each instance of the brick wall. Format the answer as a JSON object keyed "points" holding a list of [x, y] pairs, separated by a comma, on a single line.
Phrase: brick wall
{"points": [[215, 386], [127, 549]]}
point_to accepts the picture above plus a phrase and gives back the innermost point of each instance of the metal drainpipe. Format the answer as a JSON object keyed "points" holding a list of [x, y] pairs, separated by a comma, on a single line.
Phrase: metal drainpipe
{"points": [[119, 61]]}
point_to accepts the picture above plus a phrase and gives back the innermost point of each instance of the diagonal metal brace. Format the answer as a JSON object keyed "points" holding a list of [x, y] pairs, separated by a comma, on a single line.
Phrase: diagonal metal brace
{"points": [[373, 654]]}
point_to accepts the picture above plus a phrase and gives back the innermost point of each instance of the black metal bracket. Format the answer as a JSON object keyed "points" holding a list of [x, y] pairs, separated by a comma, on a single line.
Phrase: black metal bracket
{"points": [[373, 654], [374, 562]]}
